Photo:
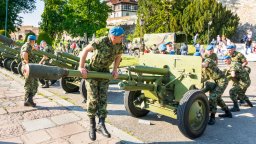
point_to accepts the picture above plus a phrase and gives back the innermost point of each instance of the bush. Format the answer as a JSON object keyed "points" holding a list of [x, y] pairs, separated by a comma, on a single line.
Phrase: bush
{"points": [[44, 36], [30, 33], [2, 32]]}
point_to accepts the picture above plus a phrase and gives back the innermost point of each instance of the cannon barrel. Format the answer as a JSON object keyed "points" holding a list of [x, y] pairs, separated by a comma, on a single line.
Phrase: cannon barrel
{"points": [[70, 56], [8, 41], [149, 70], [60, 64], [53, 72]]}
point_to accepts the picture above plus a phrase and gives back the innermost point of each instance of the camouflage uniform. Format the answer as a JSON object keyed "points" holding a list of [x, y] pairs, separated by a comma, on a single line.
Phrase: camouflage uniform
{"points": [[213, 57], [104, 54], [46, 62], [240, 83], [240, 58], [215, 88], [31, 84]]}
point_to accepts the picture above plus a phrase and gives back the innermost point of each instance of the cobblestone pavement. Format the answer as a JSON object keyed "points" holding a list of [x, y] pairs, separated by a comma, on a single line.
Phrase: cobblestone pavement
{"points": [[53, 121]]}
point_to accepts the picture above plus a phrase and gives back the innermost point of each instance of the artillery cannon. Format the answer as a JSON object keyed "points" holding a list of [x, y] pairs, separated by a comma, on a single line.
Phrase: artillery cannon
{"points": [[165, 84]]}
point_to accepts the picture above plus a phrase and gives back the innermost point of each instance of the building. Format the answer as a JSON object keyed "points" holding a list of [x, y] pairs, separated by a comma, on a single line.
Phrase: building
{"points": [[23, 30], [122, 7]]}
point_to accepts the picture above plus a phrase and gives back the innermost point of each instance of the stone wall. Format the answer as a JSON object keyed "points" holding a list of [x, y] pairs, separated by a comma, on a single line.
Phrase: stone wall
{"points": [[246, 10]]}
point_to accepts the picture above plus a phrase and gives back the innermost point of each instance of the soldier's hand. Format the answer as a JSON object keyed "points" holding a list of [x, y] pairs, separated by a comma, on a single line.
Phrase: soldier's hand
{"points": [[115, 74], [45, 57], [83, 72]]}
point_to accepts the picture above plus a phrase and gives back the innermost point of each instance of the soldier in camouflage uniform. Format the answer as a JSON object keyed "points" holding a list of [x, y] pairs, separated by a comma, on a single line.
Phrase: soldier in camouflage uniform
{"points": [[210, 54], [241, 81], [216, 87], [237, 57], [31, 84], [106, 50], [45, 59]]}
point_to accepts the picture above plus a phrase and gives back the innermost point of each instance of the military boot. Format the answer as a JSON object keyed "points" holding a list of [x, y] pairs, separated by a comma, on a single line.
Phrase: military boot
{"points": [[29, 102], [249, 103], [242, 103], [235, 107], [102, 128], [92, 131], [227, 114], [212, 119], [46, 85]]}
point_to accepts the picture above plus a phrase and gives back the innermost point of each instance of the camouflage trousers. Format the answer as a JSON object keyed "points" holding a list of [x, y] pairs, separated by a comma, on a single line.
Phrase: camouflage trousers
{"points": [[238, 90], [97, 97], [31, 86], [215, 92]]}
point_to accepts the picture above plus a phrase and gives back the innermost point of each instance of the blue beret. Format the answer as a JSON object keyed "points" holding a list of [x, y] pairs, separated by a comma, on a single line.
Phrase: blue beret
{"points": [[209, 47], [226, 57], [231, 46], [162, 47], [31, 37], [116, 31], [197, 54], [168, 43]]}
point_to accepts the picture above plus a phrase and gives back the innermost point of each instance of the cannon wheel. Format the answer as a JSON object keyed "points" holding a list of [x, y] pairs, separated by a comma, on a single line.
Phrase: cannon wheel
{"points": [[129, 98], [7, 63], [51, 82], [83, 90], [193, 113], [14, 67], [68, 87], [19, 68]]}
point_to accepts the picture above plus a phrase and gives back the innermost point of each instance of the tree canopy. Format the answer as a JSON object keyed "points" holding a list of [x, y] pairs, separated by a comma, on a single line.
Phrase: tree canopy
{"points": [[76, 17], [15, 7], [190, 16]]}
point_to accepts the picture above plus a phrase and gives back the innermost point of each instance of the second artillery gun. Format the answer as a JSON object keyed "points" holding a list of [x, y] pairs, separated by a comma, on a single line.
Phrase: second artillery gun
{"points": [[163, 84]]}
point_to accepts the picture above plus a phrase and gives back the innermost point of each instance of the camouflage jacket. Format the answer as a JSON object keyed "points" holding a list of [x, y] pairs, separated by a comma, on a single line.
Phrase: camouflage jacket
{"points": [[213, 57], [213, 72], [47, 49], [242, 76], [104, 54], [237, 57], [27, 48]]}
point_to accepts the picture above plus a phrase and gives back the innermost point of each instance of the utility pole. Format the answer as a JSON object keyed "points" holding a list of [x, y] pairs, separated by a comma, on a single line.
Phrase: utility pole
{"points": [[6, 14]]}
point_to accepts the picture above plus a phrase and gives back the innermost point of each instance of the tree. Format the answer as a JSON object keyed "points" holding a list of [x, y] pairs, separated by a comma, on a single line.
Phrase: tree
{"points": [[2, 32], [53, 17], [44, 36], [86, 16], [190, 16], [102, 32], [15, 7], [198, 14]]}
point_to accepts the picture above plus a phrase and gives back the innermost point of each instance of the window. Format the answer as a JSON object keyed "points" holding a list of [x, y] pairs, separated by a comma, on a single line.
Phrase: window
{"points": [[127, 14]]}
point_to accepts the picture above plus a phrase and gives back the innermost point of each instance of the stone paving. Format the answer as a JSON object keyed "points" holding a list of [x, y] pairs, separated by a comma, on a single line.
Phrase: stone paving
{"points": [[53, 121]]}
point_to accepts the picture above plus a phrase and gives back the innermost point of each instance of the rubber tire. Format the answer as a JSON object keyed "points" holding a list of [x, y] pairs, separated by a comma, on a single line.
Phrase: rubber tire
{"points": [[7, 63], [14, 67], [129, 97], [183, 110], [83, 90], [67, 87], [19, 68]]}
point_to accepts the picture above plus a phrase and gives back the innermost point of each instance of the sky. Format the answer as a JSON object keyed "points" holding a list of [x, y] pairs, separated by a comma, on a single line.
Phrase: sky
{"points": [[35, 17]]}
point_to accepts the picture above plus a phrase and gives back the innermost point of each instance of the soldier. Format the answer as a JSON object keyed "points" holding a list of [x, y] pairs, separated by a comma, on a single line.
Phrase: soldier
{"points": [[106, 50], [238, 57], [241, 81], [210, 54], [216, 88], [31, 84], [45, 59]]}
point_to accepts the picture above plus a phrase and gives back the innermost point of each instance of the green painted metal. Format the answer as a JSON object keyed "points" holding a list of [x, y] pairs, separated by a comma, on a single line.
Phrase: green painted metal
{"points": [[149, 70], [67, 55], [196, 114]]}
